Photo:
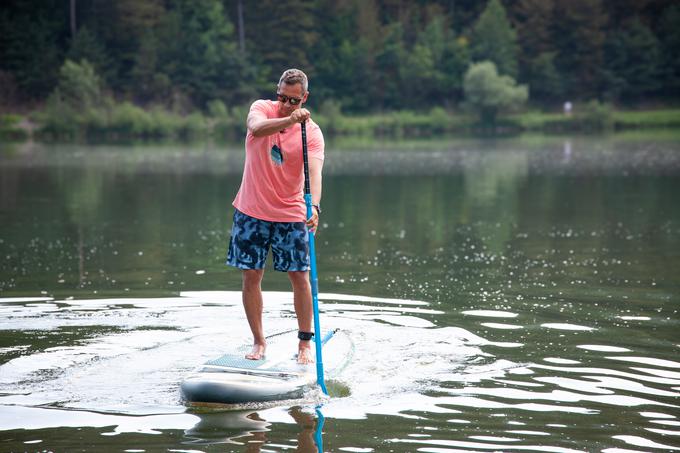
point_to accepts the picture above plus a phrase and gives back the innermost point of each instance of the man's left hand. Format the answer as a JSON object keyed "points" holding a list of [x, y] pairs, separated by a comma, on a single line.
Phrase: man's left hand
{"points": [[313, 221]]}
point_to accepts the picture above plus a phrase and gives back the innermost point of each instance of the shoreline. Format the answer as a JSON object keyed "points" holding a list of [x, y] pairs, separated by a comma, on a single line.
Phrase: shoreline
{"points": [[158, 126]]}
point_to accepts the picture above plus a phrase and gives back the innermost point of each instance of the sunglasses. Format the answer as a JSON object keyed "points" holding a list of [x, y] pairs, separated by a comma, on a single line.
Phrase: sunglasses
{"points": [[283, 99]]}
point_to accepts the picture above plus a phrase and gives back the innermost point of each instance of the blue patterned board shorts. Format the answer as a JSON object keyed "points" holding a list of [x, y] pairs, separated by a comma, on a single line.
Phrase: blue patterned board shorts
{"points": [[251, 239]]}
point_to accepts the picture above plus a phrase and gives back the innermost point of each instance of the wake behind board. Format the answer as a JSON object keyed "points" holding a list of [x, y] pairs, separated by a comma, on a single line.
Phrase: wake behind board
{"points": [[233, 379]]}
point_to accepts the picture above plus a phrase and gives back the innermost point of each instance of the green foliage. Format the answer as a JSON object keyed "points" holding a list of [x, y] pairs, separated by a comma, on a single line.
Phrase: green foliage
{"points": [[29, 45], [281, 33], [598, 116], [9, 127], [79, 86], [388, 62], [216, 108], [193, 126], [364, 55], [594, 116], [633, 63], [669, 36], [534, 21], [191, 52], [579, 35], [433, 68], [655, 119], [9, 120], [87, 46], [544, 79], [493, 39], [487, 93]]}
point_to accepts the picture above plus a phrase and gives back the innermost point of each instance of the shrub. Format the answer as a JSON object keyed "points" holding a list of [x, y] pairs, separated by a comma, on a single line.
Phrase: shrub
{"points": [[487, 93], [9, 127], [79, 85], [193, 126], [128, 120], [217, 109], [597, 116]]}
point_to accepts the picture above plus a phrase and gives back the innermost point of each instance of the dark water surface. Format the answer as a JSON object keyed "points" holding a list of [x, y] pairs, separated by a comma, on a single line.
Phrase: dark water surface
{"points": [[514, 295]]}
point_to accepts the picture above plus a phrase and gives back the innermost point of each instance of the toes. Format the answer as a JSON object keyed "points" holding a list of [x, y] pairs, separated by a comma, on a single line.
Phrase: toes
{"points": [[256, 354], [305, 357]]}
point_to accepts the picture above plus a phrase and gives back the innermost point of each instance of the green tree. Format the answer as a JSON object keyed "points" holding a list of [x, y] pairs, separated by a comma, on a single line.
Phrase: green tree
{"points": [[487, 93], [338, 57], [494, 39], [87, 46], [282, 34], [543, 78], [79, 86], [195, 48], [121, 25], [421, 71], [579, 34], [632, 63], [32, 42], [433, 69], [669, 34], [388, 63], [534, 21], [151, 85]]}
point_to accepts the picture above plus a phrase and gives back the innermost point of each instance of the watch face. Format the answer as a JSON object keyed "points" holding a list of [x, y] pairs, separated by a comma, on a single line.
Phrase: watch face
{"points": [[277, 155]]}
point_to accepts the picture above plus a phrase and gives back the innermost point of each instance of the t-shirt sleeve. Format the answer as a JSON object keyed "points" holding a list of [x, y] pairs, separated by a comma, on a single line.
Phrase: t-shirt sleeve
{"points": [[315, 144], [259, 108]]}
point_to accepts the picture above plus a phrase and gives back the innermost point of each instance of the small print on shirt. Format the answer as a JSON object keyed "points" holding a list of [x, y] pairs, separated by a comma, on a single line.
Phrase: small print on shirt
{"points": [[277, 155]]}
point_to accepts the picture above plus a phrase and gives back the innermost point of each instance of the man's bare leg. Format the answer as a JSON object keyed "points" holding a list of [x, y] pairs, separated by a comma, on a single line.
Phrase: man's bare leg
{"points": [[302, 299], [252, 303]]}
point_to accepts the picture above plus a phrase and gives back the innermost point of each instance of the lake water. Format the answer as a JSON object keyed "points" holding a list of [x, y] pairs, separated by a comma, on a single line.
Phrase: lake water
{"points": [[509, 295]]}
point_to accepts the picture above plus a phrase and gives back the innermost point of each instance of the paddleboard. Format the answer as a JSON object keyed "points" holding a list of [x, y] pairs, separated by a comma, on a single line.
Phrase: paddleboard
{"points": [[233, 379]]}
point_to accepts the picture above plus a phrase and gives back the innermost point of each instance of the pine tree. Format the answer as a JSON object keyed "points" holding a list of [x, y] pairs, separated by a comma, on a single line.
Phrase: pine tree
{"points": [[534, 19], [282, 34], [87, 46], [579, 34], [32, 44], [669, 34], [198, 51], [494, 39]]}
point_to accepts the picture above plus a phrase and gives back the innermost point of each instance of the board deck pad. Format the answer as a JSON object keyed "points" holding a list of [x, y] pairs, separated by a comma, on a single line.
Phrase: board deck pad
{"points": [[232, 378]]}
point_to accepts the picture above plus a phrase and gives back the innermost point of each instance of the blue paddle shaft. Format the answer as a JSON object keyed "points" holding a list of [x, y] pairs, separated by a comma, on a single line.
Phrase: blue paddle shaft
{"points": [[313, 279]]}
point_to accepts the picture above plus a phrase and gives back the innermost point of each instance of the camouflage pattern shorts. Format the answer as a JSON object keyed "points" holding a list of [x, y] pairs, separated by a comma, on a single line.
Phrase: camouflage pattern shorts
{"points": [[251, 239]]}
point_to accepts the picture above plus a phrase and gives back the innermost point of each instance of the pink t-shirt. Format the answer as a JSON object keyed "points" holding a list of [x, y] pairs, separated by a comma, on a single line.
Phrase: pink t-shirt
{"points": [[273, 180]]}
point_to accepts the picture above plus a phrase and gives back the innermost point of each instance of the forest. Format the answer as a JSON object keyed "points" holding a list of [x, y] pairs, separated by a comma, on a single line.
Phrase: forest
{"points": [[362, 56]]}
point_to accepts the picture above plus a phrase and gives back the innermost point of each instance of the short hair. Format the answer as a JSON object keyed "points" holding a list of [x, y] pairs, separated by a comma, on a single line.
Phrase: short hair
{"points": [[294, 76]]}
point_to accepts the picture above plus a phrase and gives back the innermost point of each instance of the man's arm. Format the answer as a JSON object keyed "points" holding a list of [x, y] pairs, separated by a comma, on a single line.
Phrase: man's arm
{"points": [[261, 126], [315, 185], [315, 166]]}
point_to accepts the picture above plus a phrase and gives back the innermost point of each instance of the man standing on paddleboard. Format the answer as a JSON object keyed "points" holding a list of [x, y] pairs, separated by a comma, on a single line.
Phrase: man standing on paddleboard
{"points": [[270, 208]]}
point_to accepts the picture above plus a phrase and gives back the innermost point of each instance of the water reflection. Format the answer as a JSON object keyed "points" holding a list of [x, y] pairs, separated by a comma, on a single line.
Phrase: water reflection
{"points": [[249, 429]]}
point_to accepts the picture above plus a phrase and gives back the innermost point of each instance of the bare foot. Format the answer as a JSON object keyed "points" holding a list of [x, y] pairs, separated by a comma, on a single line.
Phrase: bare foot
{"points": [[257, 352], [305, 355]]}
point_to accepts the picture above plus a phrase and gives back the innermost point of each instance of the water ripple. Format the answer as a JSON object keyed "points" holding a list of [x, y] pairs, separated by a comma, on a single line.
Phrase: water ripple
{"points": [[406, 369]]}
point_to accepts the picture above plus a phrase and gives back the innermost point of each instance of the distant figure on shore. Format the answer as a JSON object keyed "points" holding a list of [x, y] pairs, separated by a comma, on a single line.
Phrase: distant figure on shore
{"points": [[567, 108]]}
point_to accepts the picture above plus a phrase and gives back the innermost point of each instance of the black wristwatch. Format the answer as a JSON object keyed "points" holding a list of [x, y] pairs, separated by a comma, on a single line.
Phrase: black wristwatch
{"points": [[318, 208]]}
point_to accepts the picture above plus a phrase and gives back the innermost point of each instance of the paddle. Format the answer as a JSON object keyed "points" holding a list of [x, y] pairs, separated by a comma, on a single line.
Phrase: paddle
{"points": [[312, 263]]}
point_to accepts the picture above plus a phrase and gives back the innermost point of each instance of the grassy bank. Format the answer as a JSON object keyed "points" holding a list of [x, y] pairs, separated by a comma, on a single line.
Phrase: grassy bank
{"points": [[125, 121]]}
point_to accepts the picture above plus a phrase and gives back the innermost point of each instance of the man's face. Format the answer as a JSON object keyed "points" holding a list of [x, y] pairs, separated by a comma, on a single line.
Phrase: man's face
{"points": [[287, 92]]}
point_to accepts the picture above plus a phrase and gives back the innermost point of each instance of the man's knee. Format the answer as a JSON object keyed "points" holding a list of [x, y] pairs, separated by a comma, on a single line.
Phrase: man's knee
{"points": [[299, 279], [252, 278]]}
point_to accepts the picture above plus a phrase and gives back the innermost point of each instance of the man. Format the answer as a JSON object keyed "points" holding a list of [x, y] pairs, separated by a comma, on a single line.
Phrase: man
{"points": [[270, 208]]}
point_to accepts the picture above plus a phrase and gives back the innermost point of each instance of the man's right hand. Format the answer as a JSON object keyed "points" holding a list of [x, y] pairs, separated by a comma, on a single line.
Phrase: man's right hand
{"points": [[299, 115]]}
